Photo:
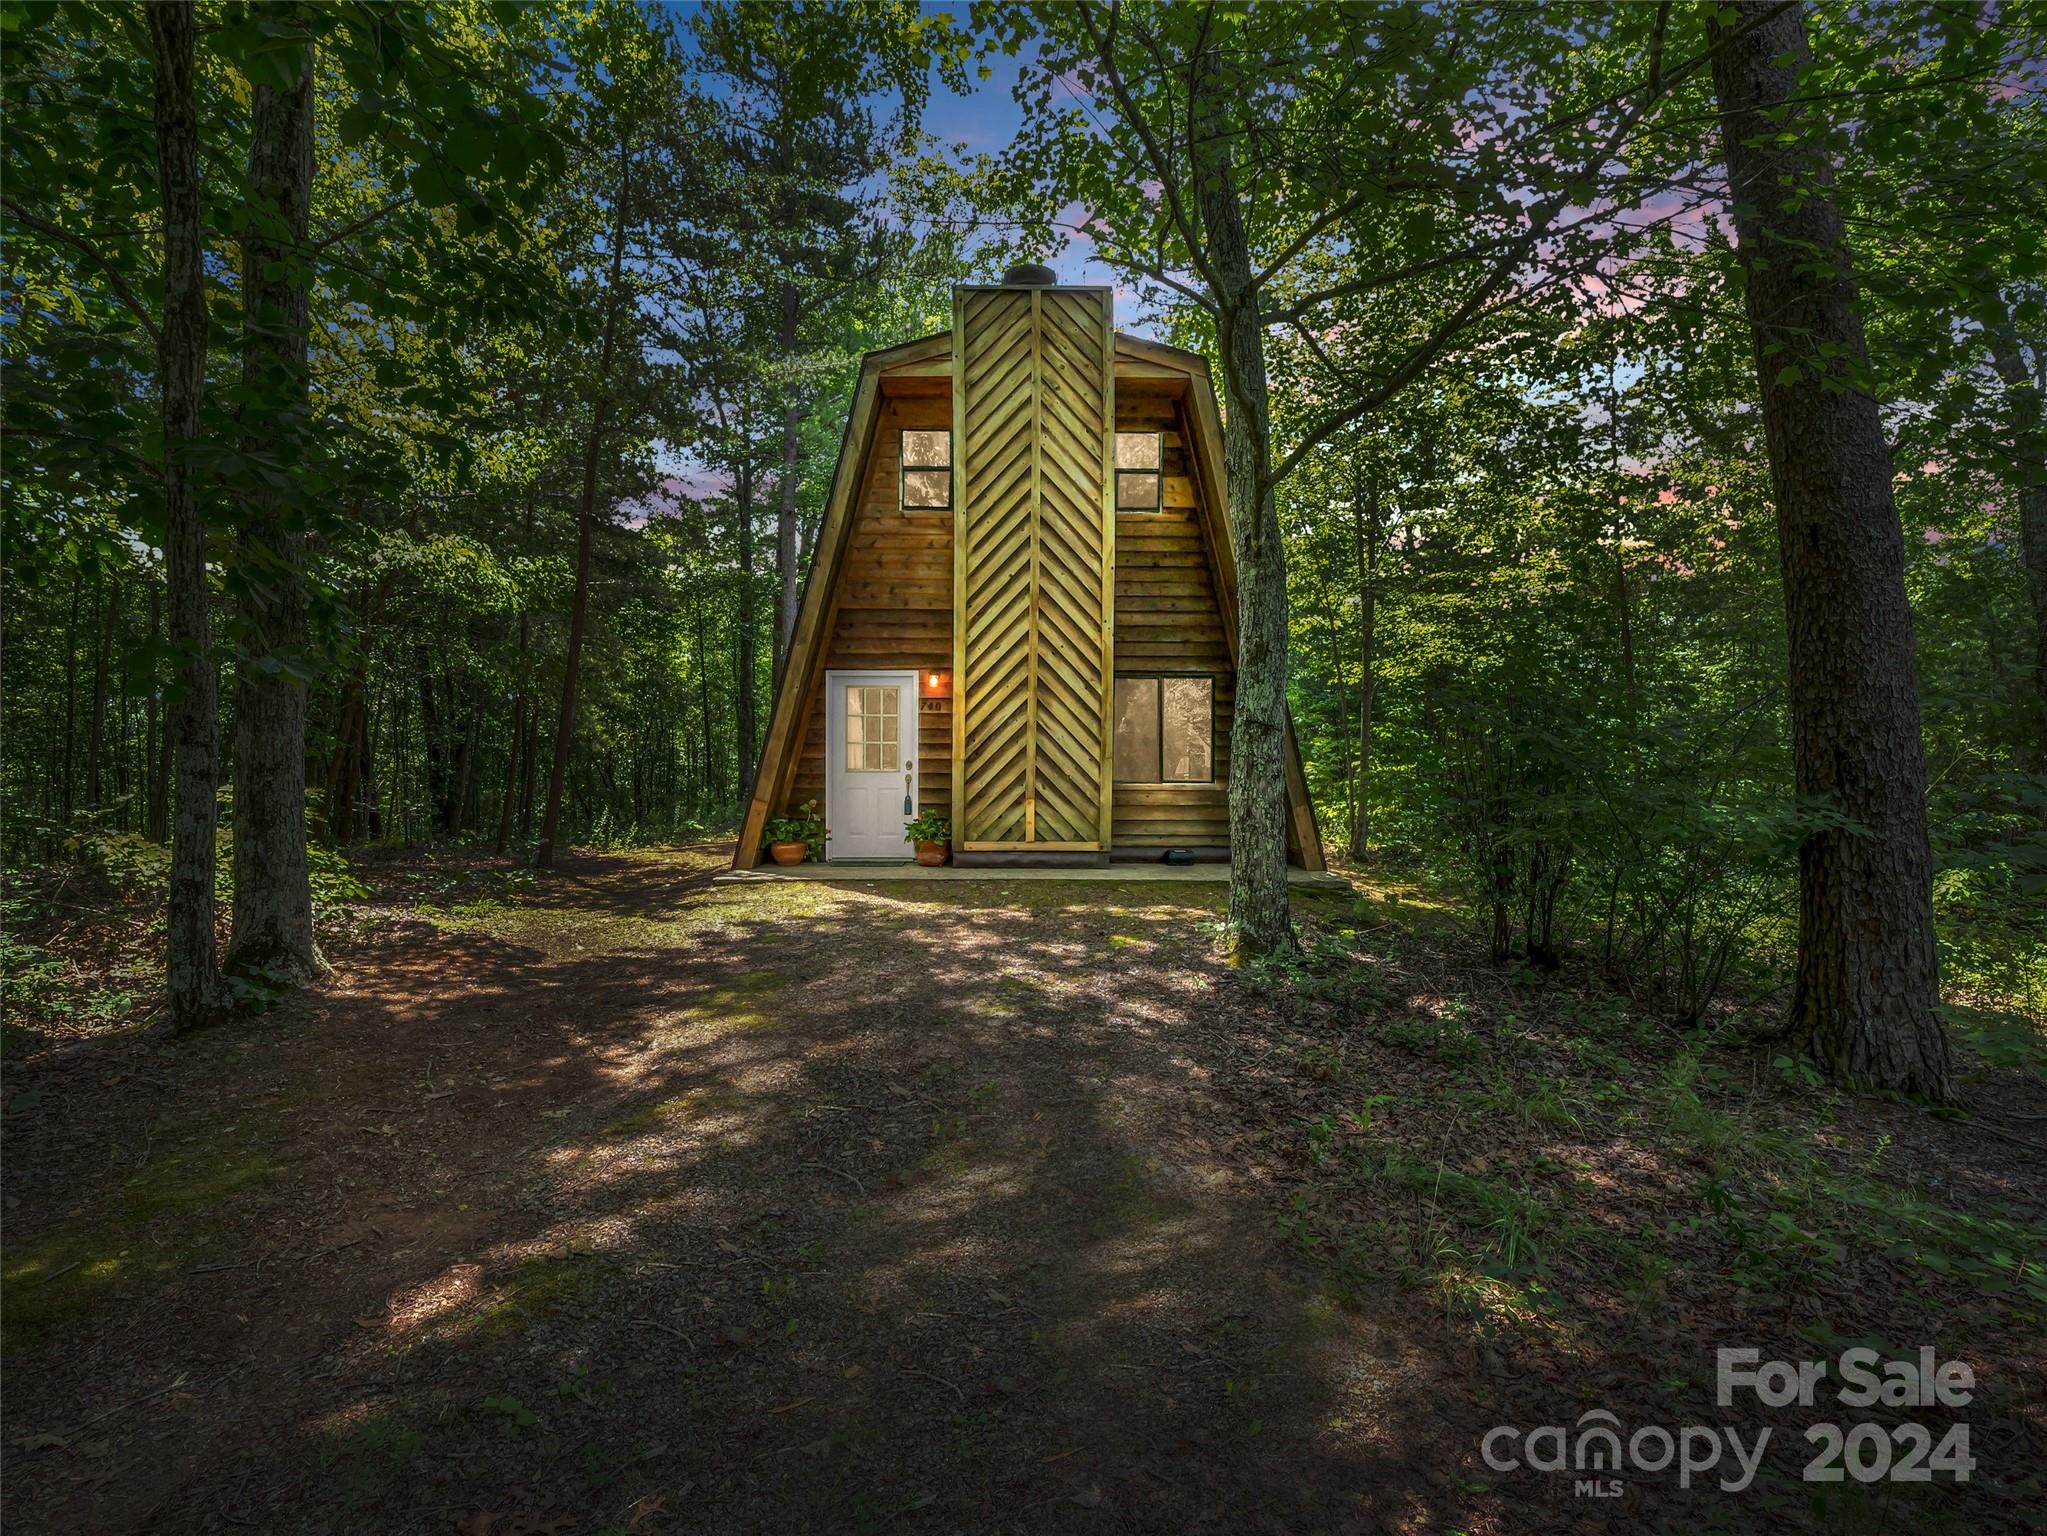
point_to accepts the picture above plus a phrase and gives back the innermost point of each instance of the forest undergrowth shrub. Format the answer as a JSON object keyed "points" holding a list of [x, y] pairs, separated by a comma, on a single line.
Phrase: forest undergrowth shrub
{"points": [[1754, 1175], [1990, 892]]}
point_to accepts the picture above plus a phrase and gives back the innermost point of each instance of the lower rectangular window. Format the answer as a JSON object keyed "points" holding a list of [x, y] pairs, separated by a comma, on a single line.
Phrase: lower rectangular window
{"points": [[1165, 729]]}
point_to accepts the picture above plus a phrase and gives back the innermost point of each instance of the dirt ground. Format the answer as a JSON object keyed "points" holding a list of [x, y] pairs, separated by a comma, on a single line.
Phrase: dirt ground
{"points": [[627, 1202]]}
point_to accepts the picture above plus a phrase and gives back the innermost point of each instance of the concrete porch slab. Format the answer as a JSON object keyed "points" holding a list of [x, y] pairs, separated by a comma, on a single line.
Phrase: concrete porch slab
{"points": [[1159, 874]]}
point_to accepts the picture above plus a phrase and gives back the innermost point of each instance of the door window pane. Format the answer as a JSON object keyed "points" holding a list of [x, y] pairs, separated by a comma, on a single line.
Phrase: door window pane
{"points": [[873, 729], [1137, 729], [1186, 722]]}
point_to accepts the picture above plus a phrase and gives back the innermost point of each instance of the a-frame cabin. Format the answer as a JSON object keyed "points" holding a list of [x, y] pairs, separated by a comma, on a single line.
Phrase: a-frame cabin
{"points": [[1022, 608]]}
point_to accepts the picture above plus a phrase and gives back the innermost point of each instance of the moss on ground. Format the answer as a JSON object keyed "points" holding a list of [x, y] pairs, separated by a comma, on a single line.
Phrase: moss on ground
{"points": [[675, 1113], [742, 1002], [142, 1236], [528, 1292]]}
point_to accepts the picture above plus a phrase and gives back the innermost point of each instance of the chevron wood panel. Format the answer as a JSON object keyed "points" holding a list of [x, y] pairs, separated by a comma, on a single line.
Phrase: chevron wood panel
{"points": [[1034, 590], [1071, 600], [996, 364]]}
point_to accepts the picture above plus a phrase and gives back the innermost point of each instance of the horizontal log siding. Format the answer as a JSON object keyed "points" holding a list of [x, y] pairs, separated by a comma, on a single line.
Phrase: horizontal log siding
{"points": [[893, 609], [1167, 620]]}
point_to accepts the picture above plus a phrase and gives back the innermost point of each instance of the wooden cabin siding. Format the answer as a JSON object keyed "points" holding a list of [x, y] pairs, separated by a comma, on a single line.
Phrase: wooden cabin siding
{"points": [[1168, 619], [892, 609]]}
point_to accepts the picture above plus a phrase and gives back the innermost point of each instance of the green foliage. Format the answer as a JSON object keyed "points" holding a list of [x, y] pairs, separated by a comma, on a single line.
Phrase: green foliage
{"points": [[332, 880], [929, 827], [26, 970], [807, 828]]}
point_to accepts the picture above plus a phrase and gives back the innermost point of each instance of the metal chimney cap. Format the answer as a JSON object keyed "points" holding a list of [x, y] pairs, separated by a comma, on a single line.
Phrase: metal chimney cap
{"points": [[1030, 274]]}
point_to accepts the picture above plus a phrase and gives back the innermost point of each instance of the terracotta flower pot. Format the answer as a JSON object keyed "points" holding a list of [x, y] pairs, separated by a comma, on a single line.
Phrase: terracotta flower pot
{"points": [[786, 853], [932, 854]]}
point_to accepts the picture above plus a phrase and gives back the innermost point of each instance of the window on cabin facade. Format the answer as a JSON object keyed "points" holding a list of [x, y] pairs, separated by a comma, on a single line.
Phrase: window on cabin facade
{"points": [[1140, 471], [926, 469], [1165, 729]]}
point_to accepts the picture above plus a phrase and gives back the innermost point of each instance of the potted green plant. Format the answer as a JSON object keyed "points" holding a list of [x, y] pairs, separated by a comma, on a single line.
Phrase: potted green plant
{"points": [[931, 831], [789, 839]]}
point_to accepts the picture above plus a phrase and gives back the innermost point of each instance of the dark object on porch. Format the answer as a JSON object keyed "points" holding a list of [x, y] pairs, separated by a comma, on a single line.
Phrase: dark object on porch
{"points": [[1198, 853]]}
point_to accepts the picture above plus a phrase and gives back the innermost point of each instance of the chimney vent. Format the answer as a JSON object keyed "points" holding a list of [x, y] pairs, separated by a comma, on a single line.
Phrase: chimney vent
{"points": [[1029, 274]]}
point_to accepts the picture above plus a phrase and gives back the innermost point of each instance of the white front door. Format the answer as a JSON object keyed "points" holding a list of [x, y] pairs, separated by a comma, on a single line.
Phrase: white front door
{"points": [[870, 745]]}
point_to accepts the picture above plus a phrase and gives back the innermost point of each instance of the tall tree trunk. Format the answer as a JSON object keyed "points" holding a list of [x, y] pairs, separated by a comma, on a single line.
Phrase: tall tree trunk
{"points": [[515, 743], [350, 771], [530, 774], [1868, 980], [1258, 889], [70, 701], [785, 510], [433, 732], [711, 782], [1622, 596], [586, 513], [363, 776], [273, 905], [747, 664], [156, 817], [124, 763], [338, 811], [2029, 447], [192, 979], [465, 770], [1367, 529], [95, 746]]}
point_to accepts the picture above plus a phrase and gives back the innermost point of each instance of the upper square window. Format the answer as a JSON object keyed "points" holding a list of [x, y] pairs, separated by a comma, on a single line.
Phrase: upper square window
{"points": [[1140, 471], [927, 469]]}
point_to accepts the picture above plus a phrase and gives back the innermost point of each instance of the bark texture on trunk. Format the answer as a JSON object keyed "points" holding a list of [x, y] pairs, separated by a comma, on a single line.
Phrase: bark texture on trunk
{"points": [[586, 516], [1868, 979], [516, 749], [579, 615], [515, 743], [786, 554], [156, 819], [70, 696], [746, 666], [2029, 447], [436, 756], [465, 765], [105, 603], [1259, 912], [1368, 523], [273, 902], [192, 726]]}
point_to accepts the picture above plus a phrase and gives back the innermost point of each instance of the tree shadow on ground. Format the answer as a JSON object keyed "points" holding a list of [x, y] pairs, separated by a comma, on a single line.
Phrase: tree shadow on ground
{"points": [[837, 1210], [625, 1201]]}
